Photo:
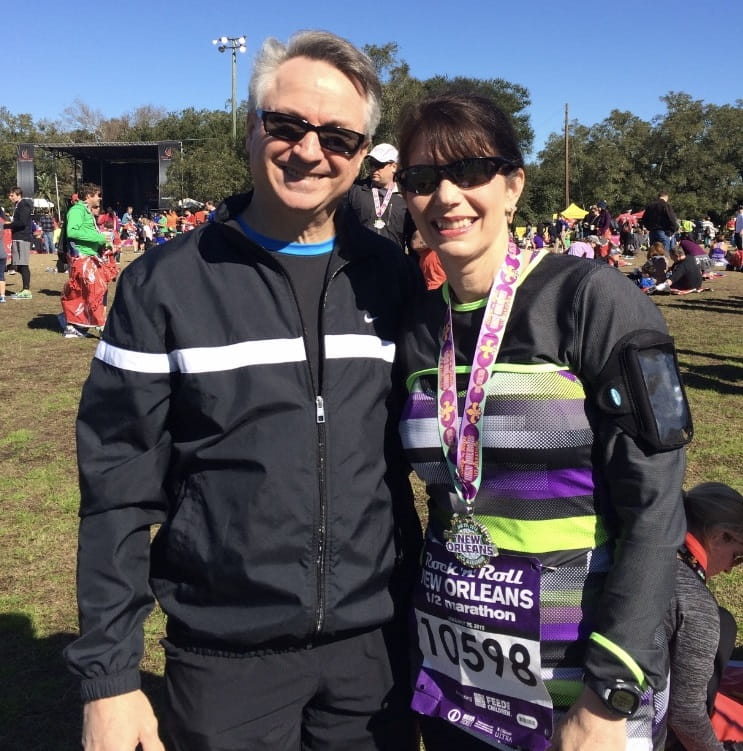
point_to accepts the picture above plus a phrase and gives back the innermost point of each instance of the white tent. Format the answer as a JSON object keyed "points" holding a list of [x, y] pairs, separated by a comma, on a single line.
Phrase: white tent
{"points": [[188, 203], [43, 203]]}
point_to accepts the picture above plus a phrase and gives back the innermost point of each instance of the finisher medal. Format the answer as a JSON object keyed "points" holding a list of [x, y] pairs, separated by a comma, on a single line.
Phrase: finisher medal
{"points": [[379, 223], [469, 541]]}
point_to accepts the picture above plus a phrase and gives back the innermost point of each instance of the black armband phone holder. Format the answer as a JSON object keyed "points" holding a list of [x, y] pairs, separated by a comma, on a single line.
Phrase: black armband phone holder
{"points": [[640, 387]]}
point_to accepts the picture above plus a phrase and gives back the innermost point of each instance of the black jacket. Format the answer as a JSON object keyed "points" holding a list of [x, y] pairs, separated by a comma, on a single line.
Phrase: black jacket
{"points": [[21, 223], [361, 200], [286, 514], [660, 216]]}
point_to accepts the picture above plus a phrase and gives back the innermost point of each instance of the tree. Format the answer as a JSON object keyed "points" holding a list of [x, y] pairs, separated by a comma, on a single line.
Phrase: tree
{"points": [[208, 170], [398, 88], [510, 97]]}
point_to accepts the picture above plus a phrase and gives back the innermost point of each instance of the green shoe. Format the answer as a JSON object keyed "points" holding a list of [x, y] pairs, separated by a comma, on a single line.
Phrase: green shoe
{"points": [[24, 294]]}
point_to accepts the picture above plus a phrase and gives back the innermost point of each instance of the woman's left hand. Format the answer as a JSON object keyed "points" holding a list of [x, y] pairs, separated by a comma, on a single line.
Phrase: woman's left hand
{"points": [[589, 726]]}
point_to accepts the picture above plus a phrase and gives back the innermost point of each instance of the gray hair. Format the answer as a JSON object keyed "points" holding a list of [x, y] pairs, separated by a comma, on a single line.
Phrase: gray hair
{"points": [[713, 505], [328, 48]]}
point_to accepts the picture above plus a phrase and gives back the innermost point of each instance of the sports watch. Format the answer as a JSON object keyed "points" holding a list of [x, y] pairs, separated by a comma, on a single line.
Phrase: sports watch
{"points": [[619, 697]]}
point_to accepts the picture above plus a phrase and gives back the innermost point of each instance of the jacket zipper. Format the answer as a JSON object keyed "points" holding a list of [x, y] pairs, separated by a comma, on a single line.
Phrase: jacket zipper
{"points": [[322, 527], [321, 418]]}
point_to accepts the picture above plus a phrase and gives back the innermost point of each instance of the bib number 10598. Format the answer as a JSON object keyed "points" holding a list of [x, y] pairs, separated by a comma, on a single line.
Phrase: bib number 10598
{"points": [[458, 651]]}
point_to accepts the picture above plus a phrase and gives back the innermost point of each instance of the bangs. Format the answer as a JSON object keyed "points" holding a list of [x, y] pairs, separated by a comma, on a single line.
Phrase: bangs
{"points": [[447, 142], [450, 127]]}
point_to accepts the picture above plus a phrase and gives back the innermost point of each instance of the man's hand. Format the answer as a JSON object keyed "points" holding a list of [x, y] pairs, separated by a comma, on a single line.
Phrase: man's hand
{"points": [[589, 726], [119, 723]]}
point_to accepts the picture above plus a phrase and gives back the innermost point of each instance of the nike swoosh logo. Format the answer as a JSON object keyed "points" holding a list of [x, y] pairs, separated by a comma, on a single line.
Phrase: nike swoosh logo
{"points": [[369, 319]]}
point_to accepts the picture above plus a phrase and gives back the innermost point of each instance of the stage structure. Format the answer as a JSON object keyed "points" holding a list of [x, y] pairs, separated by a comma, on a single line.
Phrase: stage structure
{"points": [[130, 173]]}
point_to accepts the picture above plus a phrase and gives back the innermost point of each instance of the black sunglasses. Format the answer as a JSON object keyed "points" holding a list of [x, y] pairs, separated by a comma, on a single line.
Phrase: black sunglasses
{"points": [[423, 179], [294, 129]]}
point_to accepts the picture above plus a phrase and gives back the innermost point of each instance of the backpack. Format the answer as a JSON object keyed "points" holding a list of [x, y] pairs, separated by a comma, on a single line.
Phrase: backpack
{"points": [[65, 248]]}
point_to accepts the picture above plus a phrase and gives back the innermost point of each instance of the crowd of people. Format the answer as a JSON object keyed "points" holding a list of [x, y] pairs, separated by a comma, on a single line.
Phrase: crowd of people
{"points": [[87, 244], [629, 233], [264, 385]]}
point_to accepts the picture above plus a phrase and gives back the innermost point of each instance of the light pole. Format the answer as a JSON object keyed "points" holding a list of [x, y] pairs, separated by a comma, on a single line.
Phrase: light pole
{"points": [[233, 44]]}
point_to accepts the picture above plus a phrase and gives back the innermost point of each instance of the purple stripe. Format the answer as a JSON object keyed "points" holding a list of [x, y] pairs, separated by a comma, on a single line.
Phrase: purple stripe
{"points": [[560, 632], [540, 484], [419, 406]]}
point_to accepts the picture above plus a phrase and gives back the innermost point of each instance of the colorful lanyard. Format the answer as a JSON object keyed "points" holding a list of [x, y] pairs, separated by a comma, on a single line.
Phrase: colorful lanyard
{"points": [[381, 208], [462, 443]]}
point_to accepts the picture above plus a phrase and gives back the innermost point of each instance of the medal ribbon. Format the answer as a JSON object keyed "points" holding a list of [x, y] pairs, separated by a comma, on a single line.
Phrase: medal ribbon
{"points": [[461, 443], [380, 209]]}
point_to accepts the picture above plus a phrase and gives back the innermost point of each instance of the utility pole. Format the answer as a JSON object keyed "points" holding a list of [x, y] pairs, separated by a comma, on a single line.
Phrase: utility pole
{"points": [[567, 161]]}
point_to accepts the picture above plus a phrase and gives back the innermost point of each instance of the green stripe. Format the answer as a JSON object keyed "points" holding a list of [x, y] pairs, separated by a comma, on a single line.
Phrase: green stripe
{"points": [[621, 655], [545, 535], [432, 371], [462, 307], [541, 367]]}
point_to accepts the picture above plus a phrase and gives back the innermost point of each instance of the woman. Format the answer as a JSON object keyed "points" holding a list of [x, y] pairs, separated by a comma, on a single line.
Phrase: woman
{"points": [[603, 220], [714, 543], [546, 516]]}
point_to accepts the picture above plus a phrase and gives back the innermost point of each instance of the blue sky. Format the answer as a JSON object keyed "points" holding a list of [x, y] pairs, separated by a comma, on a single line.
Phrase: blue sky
{"points": [[116, 57]]}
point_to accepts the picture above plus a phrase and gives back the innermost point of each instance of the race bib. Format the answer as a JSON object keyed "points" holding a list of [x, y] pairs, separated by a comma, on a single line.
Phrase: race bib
{"points": [[478, 630]]}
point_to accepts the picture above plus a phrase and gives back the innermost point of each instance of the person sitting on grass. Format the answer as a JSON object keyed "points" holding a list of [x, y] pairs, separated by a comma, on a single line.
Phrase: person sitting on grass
{"points": [[686, 276], [701, 635]]}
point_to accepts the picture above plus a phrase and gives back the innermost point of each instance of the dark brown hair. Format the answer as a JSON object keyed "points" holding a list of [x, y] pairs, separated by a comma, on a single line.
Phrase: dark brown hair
{"points": [[456, 126], [88, 189], [712, 505]]}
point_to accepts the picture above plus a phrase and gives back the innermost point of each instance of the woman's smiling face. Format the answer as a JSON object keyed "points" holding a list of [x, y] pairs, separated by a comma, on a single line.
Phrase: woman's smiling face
{"points": [[462, 224]]}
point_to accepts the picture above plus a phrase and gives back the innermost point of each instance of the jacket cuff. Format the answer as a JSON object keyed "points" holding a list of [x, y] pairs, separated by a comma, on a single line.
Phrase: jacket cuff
{"points": [[110, 685], [606, 660]]}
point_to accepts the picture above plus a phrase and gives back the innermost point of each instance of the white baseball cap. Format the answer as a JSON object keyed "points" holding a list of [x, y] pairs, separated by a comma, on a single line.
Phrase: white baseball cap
{"points": [[384, 153]]}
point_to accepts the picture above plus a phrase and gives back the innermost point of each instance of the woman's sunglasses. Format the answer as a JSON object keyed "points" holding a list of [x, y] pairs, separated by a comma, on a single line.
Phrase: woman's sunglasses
{"points": [[423, 179], [294, 129]]}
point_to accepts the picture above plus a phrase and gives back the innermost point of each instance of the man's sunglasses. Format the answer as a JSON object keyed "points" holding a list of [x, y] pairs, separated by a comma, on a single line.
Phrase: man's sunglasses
{"points": [[294, 129], [423, 179]]}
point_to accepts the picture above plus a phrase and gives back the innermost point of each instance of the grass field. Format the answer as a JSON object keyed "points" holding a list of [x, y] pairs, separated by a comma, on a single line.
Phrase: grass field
{"points": [[41, 377]]}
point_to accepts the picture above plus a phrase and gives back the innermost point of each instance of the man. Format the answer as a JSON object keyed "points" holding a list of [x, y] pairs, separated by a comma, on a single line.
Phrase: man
{"points": [[84, 294], [376, 201], [210, 210], [241, 399], [21, 228], [686, 276], [561, 232], [46, 221], [739, 229], [660, 220]]}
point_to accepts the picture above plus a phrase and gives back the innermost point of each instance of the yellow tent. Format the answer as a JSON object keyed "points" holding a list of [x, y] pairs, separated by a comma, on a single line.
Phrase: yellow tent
{"points": [[574, 212]]}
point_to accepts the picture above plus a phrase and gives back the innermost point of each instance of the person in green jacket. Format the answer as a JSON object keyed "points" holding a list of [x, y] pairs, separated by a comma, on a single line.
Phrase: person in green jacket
{"points": [[91, 268], [81, 228]]}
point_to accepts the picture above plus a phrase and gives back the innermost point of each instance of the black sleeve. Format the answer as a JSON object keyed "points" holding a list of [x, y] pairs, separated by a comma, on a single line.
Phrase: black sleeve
{"points": [[123, 457], [640, 493], [21, 216], [673, 222]]}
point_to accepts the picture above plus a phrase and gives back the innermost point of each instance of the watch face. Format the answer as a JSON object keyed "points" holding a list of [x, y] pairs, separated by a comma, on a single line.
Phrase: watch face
{"points": [[624, 701]]}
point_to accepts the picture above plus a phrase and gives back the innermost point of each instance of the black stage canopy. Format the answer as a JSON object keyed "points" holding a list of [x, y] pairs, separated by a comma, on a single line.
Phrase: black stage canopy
{"points": [[130, 173]]}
